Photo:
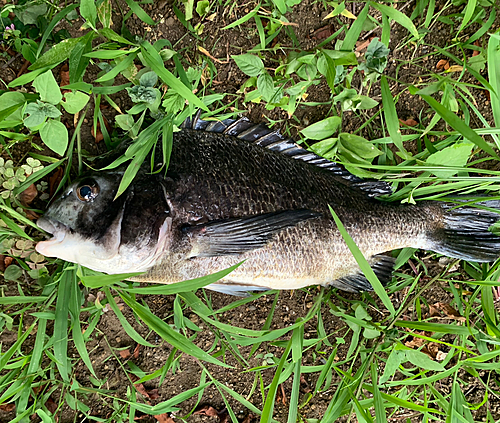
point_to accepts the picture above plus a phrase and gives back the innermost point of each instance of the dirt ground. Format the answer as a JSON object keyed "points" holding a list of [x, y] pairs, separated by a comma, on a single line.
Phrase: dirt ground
{"points": [[110, 336]]}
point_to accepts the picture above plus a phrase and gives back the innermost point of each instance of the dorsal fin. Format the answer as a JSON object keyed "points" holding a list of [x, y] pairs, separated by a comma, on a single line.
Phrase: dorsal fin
{"points": [[261, 135]]}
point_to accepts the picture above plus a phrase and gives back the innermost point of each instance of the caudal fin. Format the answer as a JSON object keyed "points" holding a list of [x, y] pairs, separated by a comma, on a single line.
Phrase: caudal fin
{"points": [[466, 233]]}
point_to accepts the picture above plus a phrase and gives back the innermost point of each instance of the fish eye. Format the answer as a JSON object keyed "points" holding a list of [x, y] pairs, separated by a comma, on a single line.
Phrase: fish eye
{"points": [[88, 190]]}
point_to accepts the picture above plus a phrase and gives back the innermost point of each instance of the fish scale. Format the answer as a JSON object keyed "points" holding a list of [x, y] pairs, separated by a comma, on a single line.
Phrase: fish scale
{"points": [[237, 191]]}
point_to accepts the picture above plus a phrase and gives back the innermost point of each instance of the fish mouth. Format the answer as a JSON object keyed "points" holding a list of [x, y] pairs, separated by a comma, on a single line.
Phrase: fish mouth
{"points": [[58, 231]]}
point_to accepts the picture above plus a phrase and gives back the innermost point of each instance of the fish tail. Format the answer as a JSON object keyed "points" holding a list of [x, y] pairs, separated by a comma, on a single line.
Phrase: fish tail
{"points": [[465, 232]]}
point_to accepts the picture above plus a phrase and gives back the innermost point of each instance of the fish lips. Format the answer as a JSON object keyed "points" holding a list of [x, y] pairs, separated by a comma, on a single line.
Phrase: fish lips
{"points": [[56, 229]]}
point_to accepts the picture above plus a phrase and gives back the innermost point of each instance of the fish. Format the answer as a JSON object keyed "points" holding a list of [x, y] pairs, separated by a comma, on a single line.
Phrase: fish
{"points": [[236, 192]]}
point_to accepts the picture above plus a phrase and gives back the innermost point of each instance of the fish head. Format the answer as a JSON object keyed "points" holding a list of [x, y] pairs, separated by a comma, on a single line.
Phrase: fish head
{"points": [[91, 227]]}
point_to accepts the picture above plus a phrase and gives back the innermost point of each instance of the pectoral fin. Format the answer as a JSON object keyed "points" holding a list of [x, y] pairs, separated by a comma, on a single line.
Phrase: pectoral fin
{"points": [[239, 235]]}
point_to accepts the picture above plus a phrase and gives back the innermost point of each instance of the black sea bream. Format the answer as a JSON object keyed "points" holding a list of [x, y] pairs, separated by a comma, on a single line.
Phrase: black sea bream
{"points": [[235, 191]]}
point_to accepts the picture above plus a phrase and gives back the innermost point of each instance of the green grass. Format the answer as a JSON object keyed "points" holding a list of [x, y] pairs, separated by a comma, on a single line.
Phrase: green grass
{"points": [[389, 357]]}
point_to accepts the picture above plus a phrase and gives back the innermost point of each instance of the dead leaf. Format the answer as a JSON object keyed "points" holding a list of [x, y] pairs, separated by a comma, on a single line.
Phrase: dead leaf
{"points": [[164, 418], [440, 356], [154, 394], [433, 311], [207, 410], [51, 405], [99, 136], [304, 386], [443, 64], [248, 418], [54, 180], [8, 261], [449, 311], [64, 74], [408, 122], [323, 33], [361, 45], [476, 52], [430, 349], [125, 354], [2, 263], [136, 351], [455, 68], [28, 195], [7, 407], [206, 53], [142, 390], [24, 67], [415, 343], [31, 215], [281, 395]]}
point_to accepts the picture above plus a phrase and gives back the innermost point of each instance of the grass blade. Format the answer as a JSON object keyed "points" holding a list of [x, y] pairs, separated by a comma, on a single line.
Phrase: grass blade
{"points": [[36, 354], [126, 325], [184, 286], [267, 410], [155, 62], [397, 16], [61, 324], [355, 30], [168, 334], [364, 265], [494, 76], [140, 13], [391, 117], [459, 125]]}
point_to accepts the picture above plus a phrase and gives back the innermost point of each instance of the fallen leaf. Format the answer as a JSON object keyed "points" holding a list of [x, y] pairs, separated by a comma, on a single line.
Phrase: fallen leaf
{"points": [[8, 261], [449, 311], [99, 135], [136, 351], [164, 418], [154, 394], [7, 407], [281, 396], [304, 385], [64, 74], [455, 68], [430, 349], [476, 52], [28, 195], [2, 263], [361, 45], [206, 53], [31, 215], [440, 356], [125, 354], [433, 311], [207, 410], [408, 122], [323, 33], [443, 64], [51, 405], [54, 180], [248, 418], [415, 343], [141, 389], [24, 67]]}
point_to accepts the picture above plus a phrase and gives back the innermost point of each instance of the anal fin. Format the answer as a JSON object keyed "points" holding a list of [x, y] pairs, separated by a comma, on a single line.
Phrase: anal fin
{"points": [[382, 266], [234, 289]]}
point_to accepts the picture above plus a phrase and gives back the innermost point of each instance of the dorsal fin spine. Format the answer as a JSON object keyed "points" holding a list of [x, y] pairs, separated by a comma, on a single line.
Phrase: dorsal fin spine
{"points": [[271, 139]]}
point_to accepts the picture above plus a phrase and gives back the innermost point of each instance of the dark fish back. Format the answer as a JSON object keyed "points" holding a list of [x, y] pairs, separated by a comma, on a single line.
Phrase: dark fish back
{"points": [[218, 176]]}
